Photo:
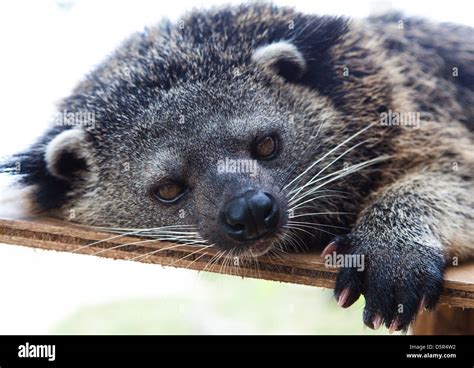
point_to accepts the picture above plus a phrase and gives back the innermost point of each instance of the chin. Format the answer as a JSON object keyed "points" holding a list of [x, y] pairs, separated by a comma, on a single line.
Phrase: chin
{"points": [[258, 247]]}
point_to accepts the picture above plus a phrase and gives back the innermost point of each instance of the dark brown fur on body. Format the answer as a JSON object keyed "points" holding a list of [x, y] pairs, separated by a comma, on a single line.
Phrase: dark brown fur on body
{"points": [[174, 100]]}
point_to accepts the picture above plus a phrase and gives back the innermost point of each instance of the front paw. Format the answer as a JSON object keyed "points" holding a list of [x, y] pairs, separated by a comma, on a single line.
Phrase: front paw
{"points": [[396, 279]]}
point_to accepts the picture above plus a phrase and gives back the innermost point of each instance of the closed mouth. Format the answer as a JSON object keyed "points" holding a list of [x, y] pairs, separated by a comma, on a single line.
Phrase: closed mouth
{"points": [[260, 247]]}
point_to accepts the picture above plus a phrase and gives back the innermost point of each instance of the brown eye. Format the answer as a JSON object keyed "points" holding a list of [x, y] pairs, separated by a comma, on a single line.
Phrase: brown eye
{"points": [[265, 147], [170, 192]]}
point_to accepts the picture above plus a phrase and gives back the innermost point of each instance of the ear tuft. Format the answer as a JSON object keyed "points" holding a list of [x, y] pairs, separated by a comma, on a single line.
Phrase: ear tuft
{"points": [[283, 58], [66, 154]]}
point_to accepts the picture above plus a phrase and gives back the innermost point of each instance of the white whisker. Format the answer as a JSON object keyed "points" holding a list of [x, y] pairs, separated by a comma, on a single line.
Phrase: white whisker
{"points": [[190, 254], [157, 251], [328, 153], [342, 173], [298, 205], [322, 213], [324, 168]]}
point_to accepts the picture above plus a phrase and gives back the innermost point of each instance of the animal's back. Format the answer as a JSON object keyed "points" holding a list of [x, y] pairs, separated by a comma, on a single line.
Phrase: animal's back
{"points": [[438, 62]]}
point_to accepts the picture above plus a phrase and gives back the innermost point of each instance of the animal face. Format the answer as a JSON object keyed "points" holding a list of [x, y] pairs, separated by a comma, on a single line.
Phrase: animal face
{"points": [[216, 157]]}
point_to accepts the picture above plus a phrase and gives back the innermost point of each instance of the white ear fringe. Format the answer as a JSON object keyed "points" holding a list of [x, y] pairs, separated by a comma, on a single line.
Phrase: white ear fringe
{"points": [[71, 140], [270, 55]]}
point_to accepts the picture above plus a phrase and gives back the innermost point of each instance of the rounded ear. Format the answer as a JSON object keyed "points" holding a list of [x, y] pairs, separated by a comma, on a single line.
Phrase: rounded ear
{"points": [[66, 155], [283, 58]]}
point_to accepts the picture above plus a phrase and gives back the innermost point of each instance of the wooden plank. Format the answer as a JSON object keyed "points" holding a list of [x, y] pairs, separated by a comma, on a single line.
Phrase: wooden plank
{"points": [[307, 269], [445, 320]]}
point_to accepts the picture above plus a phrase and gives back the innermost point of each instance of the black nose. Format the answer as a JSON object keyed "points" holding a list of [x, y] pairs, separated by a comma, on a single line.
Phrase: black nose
{"points": [[250, 215]]}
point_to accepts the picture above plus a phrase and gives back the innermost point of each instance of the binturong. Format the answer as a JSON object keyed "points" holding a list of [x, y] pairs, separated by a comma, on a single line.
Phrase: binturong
{"points": [[260, 130]]}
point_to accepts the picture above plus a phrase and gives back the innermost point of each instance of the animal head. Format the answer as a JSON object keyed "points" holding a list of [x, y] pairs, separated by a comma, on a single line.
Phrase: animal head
{"points": [[214, 122]]}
